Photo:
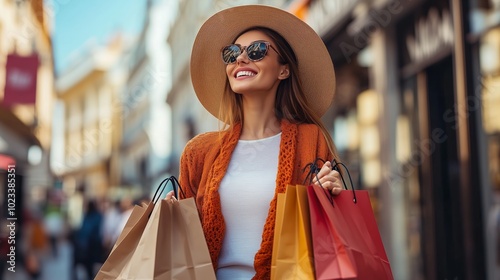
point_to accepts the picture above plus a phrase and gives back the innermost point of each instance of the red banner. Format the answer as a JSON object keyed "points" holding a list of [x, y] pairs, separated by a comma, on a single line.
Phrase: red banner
{"points": [[20, 79]]}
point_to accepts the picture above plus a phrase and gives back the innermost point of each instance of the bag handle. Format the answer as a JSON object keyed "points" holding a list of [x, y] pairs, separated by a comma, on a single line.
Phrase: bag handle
{"points": [[337, 168], [314, 170], [176, 186], [159, 190], [161, 187]]}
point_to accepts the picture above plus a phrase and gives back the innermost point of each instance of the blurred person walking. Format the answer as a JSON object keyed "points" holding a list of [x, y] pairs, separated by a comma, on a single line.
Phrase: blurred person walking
{"points": [[36, 243], [111, 222], [88, 241], [126, 207], [54, 224]]}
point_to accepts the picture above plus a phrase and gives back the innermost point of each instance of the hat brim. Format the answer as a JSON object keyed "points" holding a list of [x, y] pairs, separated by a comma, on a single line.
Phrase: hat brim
{"points": [[208, 73]]}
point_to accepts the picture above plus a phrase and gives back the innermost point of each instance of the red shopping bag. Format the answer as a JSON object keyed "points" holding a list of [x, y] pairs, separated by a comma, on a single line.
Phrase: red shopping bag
{"points": [[345, 236]]}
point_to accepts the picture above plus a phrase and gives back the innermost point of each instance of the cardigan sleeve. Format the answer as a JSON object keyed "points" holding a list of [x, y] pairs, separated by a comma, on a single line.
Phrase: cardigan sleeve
{"points": [[192, 163], [187, 180]]}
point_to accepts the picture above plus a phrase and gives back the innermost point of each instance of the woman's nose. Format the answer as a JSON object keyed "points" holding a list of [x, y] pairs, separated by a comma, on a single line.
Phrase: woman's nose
{"points": [[243, 57]]}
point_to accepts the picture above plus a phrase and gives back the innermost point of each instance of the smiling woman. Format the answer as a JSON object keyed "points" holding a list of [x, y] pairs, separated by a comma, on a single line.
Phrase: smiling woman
{"points": [[262, 84]]}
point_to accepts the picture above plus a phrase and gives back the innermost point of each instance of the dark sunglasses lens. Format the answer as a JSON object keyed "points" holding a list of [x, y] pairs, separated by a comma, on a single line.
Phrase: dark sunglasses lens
{"points": [[230, 53], [256, 51]]}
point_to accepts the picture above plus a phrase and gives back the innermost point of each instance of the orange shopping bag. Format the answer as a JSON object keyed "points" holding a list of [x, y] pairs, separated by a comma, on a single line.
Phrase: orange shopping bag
{"points": [[292, 248]]}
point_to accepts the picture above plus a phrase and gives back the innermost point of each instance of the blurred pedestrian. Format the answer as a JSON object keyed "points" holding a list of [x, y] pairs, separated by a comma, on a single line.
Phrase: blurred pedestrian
{"points": [[54, 224], [36, 243], [88, 240], [126, 207], [111, 222]]}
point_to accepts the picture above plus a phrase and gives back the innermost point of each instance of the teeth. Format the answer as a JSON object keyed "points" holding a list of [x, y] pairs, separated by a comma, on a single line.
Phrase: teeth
{"points": [[244, 73]]}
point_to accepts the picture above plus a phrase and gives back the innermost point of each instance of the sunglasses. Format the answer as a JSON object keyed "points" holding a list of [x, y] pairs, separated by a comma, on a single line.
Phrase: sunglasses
{"points": [[256, 51]]}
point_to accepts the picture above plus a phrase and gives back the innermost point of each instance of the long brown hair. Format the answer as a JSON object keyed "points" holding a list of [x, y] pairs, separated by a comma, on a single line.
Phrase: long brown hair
{"points": [[290, 104]]}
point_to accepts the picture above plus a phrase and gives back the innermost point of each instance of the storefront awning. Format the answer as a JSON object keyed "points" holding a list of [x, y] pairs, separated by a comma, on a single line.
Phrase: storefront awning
{"points": [[14, 124]]}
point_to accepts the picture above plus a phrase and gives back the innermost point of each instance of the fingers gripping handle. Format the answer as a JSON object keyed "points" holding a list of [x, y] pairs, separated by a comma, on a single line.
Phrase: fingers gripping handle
{"points": [[161, 187]]}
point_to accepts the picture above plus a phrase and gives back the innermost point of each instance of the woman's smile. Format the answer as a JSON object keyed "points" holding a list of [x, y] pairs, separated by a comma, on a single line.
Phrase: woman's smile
{"points": [[244, 74]]}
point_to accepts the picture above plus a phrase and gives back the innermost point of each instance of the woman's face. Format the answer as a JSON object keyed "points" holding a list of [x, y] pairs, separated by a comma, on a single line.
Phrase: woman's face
{"points": [[256, 77]]}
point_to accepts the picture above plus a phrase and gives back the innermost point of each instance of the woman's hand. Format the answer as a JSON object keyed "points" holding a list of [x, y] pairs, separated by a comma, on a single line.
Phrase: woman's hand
{"points": [[170, 197], [329, 179]]}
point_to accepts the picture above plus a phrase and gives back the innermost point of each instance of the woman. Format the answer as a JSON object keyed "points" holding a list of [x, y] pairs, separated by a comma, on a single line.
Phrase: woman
{"points": [[270, 88]]}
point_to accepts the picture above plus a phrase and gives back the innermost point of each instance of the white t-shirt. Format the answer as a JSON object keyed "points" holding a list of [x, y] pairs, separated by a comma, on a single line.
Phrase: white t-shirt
{"points": [[246, 192]]}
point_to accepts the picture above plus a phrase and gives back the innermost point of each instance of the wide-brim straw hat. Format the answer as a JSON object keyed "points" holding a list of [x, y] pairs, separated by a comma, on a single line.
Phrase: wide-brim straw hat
{"points": [[208, 72]]}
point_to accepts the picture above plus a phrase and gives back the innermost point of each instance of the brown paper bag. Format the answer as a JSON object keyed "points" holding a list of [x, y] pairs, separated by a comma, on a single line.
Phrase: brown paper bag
{"points": [[128, 240], [170, 245]]}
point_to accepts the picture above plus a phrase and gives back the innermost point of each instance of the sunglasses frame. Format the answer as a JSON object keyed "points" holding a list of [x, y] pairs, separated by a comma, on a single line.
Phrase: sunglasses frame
{"points": [[244, 48]]}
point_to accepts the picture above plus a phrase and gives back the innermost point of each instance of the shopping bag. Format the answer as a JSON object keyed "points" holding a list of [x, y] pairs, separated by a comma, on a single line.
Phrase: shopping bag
{"points": [[346, 240], [280, 202], [129, 238], [292, 248], [171, 246]]}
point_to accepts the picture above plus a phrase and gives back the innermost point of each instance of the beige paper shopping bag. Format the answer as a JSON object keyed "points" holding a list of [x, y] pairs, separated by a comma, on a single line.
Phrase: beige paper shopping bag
{"points": [[171, 245], [126, 243]]}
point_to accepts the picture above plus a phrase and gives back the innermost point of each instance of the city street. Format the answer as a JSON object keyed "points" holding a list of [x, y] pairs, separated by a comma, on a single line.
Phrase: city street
{"points": [[100, 101]]}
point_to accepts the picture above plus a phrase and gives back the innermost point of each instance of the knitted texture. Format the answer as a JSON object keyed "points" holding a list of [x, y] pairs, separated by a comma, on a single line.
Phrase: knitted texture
{"points": [[205, 160]]}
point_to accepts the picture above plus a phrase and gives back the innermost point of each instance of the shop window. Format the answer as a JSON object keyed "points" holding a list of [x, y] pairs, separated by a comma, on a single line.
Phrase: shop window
{"points": [[352, 81], [407, 175], [490, 95]]}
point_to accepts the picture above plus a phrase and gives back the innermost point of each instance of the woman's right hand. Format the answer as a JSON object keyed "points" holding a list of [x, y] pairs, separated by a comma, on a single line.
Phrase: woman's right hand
{"points": [[170, 197]]}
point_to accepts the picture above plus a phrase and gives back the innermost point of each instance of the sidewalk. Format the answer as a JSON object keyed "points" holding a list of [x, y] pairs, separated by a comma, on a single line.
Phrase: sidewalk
{"points": [[52, 268], [60, 267]]}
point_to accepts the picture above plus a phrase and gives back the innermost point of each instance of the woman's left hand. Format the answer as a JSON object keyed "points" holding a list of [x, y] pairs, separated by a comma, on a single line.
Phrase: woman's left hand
{"points": [[329, 179]]}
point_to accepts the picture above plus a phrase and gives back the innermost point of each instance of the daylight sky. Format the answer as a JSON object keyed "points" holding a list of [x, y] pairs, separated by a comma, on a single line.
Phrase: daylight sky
{"points": [[77, 22]]}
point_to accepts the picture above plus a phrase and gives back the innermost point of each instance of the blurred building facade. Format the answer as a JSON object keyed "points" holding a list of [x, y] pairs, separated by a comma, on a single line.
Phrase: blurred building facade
{"points": [[116, 126], [145, 147], [89, 117], [26, 100], [188, 115]]}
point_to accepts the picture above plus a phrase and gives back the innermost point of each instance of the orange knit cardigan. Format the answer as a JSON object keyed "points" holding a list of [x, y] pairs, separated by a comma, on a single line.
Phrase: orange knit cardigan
{"points": [[204, 162]]}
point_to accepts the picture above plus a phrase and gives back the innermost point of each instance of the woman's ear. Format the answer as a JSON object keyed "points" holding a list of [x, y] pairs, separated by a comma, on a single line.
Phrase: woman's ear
{"points": [[284, 73]]}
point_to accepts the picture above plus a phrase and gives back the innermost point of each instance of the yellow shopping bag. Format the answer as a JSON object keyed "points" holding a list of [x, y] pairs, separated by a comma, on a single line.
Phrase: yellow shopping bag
{"points": [[292, 247]]}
